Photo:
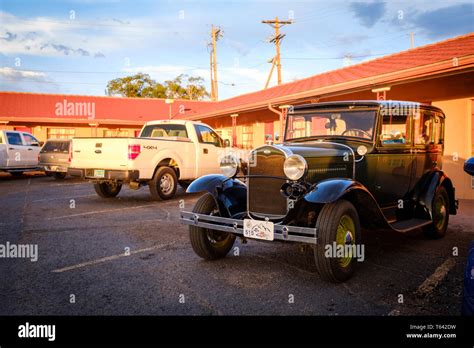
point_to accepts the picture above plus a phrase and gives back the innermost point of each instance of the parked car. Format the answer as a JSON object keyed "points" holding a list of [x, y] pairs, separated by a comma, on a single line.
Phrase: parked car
{"points": [[468, 291], [55, 157], [165, 153], [18, 152], [342, 166]]}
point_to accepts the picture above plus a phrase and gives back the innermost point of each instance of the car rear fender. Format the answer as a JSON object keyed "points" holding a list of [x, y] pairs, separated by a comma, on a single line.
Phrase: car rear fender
{"points": [[230, 194], [436, 179]]}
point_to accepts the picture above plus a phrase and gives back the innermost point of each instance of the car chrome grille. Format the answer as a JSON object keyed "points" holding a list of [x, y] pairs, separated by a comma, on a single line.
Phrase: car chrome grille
{"points": [[264, 198]]}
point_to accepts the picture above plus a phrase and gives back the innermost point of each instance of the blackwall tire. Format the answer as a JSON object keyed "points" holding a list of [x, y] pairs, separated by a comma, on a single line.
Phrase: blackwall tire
{"points": [[338, 223], [440, 209], [106, 190], [206, 243], [164, 184]]}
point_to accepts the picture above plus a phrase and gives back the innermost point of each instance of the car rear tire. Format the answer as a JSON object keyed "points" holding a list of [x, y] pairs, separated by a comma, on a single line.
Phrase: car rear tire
{"points": [[440, 210], [59, 175], [106, 190], [338, 223], [164, 184], [206, 243]]}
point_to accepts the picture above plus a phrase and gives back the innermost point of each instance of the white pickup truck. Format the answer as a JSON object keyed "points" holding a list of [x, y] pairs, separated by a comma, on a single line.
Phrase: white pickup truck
{"points": [[165, 153], [18, 152]]}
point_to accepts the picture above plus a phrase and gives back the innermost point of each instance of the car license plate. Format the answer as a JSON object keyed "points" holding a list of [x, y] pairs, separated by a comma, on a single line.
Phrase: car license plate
{"points": [[258, 229], [99, 173]]}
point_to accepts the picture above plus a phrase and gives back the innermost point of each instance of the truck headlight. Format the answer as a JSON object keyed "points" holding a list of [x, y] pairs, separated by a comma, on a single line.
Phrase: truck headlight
{"points": [[229, 165], [295, 167]]}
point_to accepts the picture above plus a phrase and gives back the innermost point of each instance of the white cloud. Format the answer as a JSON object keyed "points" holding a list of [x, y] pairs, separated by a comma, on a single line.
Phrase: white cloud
{"points": [[14, 74]]}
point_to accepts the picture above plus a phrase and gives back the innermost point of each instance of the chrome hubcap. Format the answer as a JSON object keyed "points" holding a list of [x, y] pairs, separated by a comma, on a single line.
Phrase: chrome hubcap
{"points": [[166, 183]]}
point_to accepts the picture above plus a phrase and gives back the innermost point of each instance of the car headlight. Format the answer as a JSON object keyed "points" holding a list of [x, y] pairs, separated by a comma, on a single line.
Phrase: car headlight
{"points": [[295, 167], [229, 165]]}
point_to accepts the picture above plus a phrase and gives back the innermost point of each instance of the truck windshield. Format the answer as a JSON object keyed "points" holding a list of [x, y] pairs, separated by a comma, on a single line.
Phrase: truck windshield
{"points": [[164, 130], [331, 123]]}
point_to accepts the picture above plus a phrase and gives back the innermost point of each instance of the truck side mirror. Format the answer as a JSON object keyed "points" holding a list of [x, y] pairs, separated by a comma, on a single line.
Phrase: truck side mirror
{"points": [[226, 143], [469, 166]]}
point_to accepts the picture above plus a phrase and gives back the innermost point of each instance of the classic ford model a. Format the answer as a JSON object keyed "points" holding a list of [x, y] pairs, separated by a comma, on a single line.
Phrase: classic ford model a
{"points": [[342, 166]]}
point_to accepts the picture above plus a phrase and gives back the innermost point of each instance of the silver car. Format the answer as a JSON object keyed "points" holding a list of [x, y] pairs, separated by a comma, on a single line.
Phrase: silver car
{"points": [[55, 157]]}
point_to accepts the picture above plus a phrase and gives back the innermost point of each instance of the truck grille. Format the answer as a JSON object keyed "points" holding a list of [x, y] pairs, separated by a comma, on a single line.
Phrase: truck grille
{"points": [[264, 198]]}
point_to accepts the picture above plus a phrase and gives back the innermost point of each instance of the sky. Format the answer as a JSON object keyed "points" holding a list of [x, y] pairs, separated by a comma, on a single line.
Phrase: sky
{"points": [[77, 46]]}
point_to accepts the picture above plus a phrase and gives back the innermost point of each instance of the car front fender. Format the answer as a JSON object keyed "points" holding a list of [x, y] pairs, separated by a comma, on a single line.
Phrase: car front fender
{"points": [[331, 190], [229, 194]]}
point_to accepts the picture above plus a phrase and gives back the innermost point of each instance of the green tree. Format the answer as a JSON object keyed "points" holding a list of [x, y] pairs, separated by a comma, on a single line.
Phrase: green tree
{"points": [[143, 86]]}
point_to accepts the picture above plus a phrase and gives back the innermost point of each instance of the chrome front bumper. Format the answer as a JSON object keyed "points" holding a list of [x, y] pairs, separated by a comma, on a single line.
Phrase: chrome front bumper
{"points": [[235, 226]]}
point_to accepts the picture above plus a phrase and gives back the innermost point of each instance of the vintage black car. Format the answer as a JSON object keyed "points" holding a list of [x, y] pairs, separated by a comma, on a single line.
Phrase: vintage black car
{"points": [[342, 166]]}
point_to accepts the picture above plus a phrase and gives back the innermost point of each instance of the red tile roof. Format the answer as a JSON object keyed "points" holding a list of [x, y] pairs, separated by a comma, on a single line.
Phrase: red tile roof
{"points": [[44, 107], [422, 56]]}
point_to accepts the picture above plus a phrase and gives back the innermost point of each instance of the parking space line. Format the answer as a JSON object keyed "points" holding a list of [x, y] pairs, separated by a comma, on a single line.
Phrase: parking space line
{"points": [[102, 211], [59, 198], [111, 258], [438, 275]]}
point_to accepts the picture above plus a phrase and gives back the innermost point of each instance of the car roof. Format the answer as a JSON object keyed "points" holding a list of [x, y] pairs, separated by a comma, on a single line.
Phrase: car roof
{"points": [[375, 103], [171, 122]]}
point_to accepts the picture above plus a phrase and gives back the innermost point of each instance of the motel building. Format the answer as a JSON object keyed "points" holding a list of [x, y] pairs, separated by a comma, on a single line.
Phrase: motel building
{"points": [[440, 74]]}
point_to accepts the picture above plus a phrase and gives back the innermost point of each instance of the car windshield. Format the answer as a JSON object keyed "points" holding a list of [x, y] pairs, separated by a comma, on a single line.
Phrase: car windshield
{"points": [[56, 146], [331, 123]]}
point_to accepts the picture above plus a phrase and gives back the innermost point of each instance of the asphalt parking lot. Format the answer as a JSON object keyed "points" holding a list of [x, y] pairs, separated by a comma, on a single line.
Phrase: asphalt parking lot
{"points": [[131, 256]]}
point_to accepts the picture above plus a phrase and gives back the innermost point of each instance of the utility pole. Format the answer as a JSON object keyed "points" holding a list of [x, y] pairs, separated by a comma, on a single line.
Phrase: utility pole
{"points": [[276, 39], [216, 34]]}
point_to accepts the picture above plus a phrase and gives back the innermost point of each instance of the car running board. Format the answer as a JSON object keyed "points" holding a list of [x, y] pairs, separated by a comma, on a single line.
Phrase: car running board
{"points": [[408, 225]]}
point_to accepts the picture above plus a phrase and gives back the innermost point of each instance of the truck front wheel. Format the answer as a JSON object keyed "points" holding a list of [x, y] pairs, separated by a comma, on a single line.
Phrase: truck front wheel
{"points": [[164, 184], [206, 243], [106, 190], [338, 230]]}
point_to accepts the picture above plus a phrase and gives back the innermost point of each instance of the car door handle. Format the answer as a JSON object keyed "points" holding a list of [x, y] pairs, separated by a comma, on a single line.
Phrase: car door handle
{"points": [[30, 149], [205, 151], [11, 148]]}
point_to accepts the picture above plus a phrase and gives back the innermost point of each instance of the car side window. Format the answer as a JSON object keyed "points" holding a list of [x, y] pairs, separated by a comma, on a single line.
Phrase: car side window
{"points": [[395, 130], [30, 140], [438, 130], [423, 128], [207, 136], [14, 138]]}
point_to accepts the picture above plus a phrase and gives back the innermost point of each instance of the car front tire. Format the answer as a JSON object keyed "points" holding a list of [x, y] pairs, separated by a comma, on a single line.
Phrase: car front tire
{"points": [[440, 211], [164, 184], [106, 190], [337, 223], [206, 243]]}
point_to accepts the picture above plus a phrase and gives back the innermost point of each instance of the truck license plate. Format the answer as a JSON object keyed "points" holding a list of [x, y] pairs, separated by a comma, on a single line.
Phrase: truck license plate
{"points": [[258, 229], [99, 173]]}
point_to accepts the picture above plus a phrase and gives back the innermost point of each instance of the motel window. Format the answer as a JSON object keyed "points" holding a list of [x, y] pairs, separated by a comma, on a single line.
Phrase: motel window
{"points": [[247, 137], [115, 133], [60, 133]]}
